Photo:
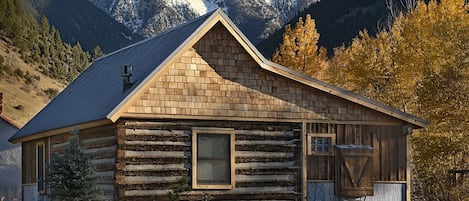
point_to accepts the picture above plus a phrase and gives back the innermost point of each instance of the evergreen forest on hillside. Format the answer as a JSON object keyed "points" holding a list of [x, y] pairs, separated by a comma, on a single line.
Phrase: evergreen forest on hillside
{"points": [[418, 63], [80, 20], [40, 43]]}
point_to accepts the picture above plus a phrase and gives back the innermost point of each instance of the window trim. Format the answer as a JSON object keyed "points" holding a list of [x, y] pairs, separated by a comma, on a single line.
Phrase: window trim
{"points": [[321, 135], [43, 167], [218, 131]]}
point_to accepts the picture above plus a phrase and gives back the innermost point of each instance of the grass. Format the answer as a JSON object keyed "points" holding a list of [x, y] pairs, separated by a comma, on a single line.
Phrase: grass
{"points": [[21, 101]]}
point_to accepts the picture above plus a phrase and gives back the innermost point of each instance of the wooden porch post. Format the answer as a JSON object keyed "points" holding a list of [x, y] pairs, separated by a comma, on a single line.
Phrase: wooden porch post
{"points": [[303, 138], [408, 176]]}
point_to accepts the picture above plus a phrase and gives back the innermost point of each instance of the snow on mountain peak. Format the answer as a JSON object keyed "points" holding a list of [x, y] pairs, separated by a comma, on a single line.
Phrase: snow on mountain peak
{"points": [[127, 13], [200, 7], [259, 18]]}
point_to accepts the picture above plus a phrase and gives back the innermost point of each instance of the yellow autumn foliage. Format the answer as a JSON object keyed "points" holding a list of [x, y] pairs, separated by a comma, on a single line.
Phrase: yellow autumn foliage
{"points": [[299, 49], [420, 64]]}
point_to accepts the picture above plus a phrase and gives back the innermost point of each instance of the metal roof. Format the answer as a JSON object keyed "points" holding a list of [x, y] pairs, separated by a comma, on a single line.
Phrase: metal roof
{"points": [[9, 121], [98, 90], [97, 93]]}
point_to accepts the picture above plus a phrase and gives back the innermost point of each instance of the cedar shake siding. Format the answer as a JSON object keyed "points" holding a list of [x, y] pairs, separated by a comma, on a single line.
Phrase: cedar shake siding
{"points": [[218, 78]]}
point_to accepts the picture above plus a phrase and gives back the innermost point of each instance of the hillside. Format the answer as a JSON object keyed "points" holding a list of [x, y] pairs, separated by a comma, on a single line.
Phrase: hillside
{"points": [[80, 21], [22, 101]]}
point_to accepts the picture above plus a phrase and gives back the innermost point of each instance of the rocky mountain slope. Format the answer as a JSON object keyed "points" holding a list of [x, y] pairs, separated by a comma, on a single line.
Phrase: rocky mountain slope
{"points": [[256, 18]]}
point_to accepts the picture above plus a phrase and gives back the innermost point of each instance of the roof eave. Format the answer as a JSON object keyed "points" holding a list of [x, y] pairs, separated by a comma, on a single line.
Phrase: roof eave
{"points": [[348, 95], [8, 120], [65, 129]]}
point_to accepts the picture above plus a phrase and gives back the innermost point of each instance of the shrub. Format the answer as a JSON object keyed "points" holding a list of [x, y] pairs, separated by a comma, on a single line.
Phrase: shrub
{"points": [[18, 73], [51, 92]]}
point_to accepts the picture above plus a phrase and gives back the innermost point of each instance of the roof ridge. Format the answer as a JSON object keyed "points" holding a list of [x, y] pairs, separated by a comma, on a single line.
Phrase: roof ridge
{"points": [[159, 35]]}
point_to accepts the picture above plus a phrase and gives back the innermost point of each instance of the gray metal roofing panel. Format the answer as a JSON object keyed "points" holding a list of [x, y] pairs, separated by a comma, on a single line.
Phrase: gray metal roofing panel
{"points": [[98, 90], [9, 121]]}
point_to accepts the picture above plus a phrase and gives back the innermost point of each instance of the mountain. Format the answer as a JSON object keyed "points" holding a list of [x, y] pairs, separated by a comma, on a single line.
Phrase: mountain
{"points": [[337, 22], [256, 18], [80, 21]]}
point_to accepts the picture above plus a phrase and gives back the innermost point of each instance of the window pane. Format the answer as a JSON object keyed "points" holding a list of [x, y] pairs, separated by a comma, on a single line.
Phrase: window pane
{"points": [[321, 144], [213, 146], [40, 167], [213, 159], [213, 172]]}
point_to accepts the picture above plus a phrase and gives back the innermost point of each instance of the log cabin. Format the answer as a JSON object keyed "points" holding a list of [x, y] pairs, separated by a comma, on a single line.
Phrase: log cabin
{"points": [[199, 104]]}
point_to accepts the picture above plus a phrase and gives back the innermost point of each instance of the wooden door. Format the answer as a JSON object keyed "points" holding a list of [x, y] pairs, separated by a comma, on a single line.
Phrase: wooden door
{"points": [[354, 170]]}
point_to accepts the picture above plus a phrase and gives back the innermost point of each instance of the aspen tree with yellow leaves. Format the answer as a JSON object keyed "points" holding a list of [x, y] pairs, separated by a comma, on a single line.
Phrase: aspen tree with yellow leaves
{"points": [[420, 64], [299, 49]]}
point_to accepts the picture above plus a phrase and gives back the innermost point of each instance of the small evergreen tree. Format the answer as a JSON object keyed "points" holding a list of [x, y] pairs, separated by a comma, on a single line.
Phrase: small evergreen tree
{"points": [[71, 176]]}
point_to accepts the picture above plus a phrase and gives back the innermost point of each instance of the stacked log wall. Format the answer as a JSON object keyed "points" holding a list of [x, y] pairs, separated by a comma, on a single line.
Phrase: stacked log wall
{"points": [[154, 156]]}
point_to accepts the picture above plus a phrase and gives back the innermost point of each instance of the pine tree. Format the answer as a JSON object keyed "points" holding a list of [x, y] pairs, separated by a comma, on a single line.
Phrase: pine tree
{"points": [[40, 42], [300, 51], [71, 176]]}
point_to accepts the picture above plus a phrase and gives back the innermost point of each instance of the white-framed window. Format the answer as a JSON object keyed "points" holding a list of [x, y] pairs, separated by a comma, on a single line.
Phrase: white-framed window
{"points": [[213, 158], [40, 166], [321, 144]]}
